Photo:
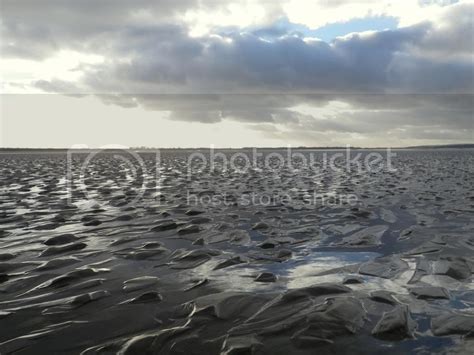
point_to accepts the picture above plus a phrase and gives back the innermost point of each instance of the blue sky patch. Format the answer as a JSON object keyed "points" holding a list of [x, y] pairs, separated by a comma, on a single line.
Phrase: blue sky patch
{"points": [[329, 32]]}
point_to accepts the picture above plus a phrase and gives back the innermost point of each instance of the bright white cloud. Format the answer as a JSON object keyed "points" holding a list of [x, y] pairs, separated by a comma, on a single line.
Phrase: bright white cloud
{"points": [[315, 14], [240, 14], [17, 74], [311, 13]]}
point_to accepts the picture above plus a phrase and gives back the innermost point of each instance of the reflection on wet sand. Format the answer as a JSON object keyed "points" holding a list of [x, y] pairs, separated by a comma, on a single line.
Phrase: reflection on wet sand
{"points": [[141, 271]]}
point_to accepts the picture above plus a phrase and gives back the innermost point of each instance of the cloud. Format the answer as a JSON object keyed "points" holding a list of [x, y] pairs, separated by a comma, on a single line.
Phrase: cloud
{"points": [[315, 14], [36, 29], [417, 78], [56, 85], [164, 59], [196, 116]]}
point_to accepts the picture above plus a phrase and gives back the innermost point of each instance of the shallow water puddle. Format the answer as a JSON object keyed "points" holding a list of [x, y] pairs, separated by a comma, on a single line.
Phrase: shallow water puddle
{"points": [[300, 271]]}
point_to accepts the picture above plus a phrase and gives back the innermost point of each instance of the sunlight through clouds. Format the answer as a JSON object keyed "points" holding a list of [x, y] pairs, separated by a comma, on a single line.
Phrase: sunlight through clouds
{"points": [[315, 14], [292, 70], [17, 74]]}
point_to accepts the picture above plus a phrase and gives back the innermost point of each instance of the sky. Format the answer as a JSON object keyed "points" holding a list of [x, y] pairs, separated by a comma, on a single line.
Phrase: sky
{"points": [[196, 73]]}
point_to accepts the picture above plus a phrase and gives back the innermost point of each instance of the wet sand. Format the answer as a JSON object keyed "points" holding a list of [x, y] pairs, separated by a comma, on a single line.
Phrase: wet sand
{"points": [[146, 272]]}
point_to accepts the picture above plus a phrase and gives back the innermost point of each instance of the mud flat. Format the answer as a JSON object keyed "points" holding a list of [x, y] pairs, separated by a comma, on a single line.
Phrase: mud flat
{"points": [[143, 261]]}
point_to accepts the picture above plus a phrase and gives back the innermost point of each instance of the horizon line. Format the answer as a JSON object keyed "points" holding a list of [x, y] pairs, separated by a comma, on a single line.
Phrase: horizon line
{"points": [[454, 145]]}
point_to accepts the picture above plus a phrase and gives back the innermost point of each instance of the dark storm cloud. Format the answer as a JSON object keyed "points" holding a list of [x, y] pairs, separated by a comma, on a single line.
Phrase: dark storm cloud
{"points": [[164, 59], [36, 29], [150, 58]]}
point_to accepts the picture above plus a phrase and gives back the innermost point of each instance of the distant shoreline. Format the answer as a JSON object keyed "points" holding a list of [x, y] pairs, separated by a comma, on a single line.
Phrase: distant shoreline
{"points": [[144, 149]]}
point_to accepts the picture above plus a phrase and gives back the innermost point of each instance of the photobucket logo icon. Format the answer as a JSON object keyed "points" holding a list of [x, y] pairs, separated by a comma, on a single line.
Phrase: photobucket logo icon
{"points": [[110, 177], [289, 160]]}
